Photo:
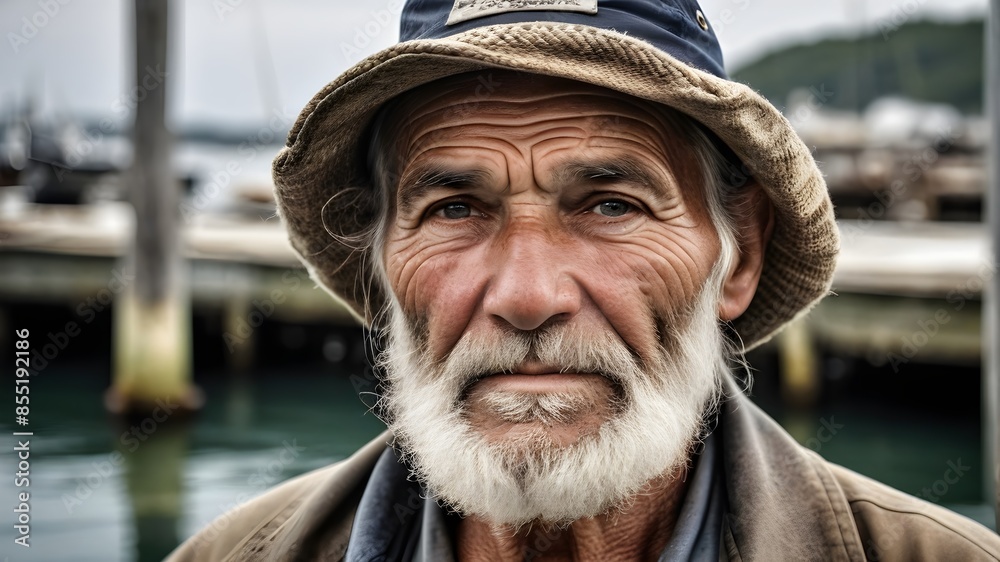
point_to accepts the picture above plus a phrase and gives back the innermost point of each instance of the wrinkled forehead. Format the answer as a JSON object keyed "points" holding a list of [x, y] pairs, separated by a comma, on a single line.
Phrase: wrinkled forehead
{"points": [[478, 96], [480, 91], [492, 97]]}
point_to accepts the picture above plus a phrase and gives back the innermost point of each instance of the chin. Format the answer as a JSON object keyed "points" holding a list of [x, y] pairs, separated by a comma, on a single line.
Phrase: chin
{"points": [[538, 420]]}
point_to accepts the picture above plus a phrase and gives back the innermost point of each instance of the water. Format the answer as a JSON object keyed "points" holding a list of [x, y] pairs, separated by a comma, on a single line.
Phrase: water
{"points": [[99, 492]]}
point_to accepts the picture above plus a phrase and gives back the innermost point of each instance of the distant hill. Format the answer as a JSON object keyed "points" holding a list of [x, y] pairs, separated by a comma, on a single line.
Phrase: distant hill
{"points": [[929, 61]]}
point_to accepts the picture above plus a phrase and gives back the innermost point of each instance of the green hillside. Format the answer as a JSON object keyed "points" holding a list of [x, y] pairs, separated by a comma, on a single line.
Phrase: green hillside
{"points": [[930, 61]]}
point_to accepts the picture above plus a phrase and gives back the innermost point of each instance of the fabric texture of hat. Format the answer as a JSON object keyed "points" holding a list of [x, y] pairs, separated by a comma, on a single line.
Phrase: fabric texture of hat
{"points": [[662, 51]]}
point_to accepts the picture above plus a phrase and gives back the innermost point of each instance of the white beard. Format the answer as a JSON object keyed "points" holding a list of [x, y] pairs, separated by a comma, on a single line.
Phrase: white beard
{"points": [[652, 427]]}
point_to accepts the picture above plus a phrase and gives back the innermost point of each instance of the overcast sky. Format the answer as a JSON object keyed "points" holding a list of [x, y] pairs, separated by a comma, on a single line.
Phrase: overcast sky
{"points": [[241, 64]]}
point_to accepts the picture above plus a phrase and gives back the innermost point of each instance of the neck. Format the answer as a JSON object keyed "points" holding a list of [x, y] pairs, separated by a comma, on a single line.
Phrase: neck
{"points": [[639, 531]]}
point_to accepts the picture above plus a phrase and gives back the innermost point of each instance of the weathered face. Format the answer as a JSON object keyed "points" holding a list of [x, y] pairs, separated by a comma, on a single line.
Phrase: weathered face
{"points": [[545, 205], [553, 333]]}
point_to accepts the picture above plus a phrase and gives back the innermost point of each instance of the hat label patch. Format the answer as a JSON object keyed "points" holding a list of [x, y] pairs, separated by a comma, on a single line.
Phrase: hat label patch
{"points": [[465, 10]]}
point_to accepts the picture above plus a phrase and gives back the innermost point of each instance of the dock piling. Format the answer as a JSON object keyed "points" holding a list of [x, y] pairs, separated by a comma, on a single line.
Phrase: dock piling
{"points": [[152, 329]]}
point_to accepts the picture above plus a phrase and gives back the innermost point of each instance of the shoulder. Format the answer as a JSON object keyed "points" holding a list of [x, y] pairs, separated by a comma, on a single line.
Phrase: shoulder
{"points": [[286, 513], [897, 526], [231, 529]]}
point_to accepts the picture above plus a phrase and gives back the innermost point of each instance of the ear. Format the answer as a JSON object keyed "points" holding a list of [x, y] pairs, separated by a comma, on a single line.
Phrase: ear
{"points": [[753, 232]]}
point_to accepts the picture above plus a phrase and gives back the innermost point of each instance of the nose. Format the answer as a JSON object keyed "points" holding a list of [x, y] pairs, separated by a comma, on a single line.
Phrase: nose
{"points": [[532, 281]]}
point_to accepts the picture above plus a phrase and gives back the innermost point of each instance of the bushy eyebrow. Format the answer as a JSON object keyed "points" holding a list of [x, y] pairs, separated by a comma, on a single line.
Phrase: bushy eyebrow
{"points": [[427, 179], [417, 183], [617, 169]]}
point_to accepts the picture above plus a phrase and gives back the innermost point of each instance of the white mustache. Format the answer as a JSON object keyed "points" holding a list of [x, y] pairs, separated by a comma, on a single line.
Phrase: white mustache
{"points": [[479, 355]]}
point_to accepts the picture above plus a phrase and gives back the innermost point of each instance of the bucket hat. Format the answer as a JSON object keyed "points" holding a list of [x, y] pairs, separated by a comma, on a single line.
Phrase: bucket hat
{"points": [[662, 51]]}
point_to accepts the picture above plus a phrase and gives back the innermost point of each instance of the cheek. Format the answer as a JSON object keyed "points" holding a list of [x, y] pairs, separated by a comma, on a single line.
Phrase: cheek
{"points": [[678, 262], [441, 283], [656, 274]]}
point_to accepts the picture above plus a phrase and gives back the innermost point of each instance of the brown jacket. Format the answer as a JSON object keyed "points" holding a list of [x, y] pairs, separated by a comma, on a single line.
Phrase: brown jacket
{"points": [[785, 503]]}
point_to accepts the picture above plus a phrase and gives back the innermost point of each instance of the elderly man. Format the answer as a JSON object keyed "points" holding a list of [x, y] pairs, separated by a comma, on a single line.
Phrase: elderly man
{"points": [[565, 225]]}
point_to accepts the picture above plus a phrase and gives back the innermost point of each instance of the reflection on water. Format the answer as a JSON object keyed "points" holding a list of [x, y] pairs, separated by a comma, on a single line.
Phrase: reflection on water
{"points": [[106, 490], [153, 474]]}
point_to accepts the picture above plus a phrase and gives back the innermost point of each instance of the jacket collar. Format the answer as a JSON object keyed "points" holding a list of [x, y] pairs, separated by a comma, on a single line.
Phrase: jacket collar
{"points": [[784, 503]]}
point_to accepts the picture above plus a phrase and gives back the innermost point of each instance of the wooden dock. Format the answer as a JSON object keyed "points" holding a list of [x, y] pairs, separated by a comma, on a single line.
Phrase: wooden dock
{"points": [[103, 231], [240, 268]]}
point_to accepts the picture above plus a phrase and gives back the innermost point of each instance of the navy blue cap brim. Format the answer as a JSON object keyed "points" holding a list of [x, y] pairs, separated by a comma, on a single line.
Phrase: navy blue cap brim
{"points": [[673, 29]]}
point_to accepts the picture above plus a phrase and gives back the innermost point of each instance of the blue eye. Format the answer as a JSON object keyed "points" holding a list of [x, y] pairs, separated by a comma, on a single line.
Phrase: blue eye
{"points": [[613, 208], [455, 211]]}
